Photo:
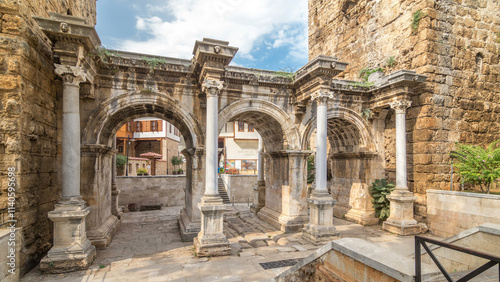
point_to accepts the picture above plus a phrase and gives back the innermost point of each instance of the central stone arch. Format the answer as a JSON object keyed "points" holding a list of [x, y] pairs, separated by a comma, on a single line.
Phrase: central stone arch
{"points": [[97, 155], [283, 199], [354, 163]]}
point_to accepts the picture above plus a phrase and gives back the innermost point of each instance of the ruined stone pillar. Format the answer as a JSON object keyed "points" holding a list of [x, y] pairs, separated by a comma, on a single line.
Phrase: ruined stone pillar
{"points": [[260, 187], [401, 219], [72, 250], [211, 240], [115, 210], [320, 228]]}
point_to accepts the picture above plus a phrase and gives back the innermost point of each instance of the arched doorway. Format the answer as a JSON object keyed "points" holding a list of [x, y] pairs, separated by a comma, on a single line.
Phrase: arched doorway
{"points": [[97, 157], [353, 163], [284, 202]]}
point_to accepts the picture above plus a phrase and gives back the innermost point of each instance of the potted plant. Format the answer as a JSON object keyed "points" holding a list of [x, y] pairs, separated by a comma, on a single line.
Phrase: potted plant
{"points": [[180, 171], [142, 171]]}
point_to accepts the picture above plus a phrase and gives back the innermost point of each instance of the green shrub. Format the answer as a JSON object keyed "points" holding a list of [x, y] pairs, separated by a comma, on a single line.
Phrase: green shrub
{"points": [[142, 170], [379, 191], [120, 161], [478, 166]]}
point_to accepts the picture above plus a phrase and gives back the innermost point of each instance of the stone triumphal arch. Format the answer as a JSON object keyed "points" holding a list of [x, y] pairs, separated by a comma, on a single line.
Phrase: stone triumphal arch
{"points": [[103, 90]]}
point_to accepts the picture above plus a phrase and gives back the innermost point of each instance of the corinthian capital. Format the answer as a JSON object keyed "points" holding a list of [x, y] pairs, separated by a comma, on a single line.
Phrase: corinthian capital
{"points": [[400, 106], [322, 96], [70, 74], [212, 87]]}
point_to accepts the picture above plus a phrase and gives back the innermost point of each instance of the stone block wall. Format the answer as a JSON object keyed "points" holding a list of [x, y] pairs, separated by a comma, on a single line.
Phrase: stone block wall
{"points": [[28, 130], [455, 43], [451, 212], [240, 187], [166, 190]]}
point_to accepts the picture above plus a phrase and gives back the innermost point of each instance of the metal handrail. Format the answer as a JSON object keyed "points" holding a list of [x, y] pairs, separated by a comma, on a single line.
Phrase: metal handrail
{"points": [[421, 241]]}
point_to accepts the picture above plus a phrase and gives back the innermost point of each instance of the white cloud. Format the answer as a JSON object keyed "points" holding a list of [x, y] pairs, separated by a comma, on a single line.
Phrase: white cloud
{"points": [[240, 22]]}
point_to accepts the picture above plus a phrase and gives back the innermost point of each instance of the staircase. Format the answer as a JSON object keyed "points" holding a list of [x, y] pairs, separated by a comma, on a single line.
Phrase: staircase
{"points": [[223, 192]]}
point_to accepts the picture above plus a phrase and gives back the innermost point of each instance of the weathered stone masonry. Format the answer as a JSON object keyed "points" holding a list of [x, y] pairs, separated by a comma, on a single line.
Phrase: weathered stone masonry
{"points": [[456, 44], [29, 120]]}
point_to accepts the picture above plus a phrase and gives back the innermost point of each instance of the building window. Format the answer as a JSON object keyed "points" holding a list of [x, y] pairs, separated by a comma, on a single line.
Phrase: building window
{"points": [[241, 126], [250, 128], [120, 149], [129, 126], [154, 125], [138, 126]]}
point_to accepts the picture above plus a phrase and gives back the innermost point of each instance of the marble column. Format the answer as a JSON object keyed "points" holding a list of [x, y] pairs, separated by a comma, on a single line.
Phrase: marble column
{"points": [[320, 228], [72, 250], [259, 187], [401, 219], [115, 209], [211, 240]]}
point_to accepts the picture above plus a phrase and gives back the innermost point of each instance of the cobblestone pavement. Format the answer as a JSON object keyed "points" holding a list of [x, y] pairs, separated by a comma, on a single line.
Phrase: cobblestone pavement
{"points": [[148, 247]]}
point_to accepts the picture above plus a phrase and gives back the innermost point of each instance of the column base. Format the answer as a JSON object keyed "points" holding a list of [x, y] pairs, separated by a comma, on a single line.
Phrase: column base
{"points": [[211, 240], [270, 216], [259, 196], [101, 237], [320, 228], [72, 251], [189, 228], [290, 224], [115, 209], [401, 219], [402, 229], [362, 217]]}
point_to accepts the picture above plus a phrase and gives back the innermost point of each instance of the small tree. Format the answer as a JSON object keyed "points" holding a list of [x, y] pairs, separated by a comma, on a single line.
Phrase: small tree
{"points": [[121, 161], [478, 166], [176, 161]]}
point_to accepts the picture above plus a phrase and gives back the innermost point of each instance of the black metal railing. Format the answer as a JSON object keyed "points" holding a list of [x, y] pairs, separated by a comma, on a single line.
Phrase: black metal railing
{"points": [[421, 241]]}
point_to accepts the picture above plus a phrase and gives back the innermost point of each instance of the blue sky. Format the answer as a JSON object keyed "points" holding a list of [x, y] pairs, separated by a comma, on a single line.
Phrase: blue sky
{"points": [[270, 34]]}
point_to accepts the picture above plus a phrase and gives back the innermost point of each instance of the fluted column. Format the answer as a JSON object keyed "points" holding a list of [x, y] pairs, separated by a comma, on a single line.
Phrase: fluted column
{"points": [[320, 228], [72, 250], [211, 240], [401, 219]]}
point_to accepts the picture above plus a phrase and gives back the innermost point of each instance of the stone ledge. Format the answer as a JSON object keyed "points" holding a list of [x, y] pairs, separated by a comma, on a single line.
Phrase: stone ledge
{"points": [[62, 262], [103, 235]]}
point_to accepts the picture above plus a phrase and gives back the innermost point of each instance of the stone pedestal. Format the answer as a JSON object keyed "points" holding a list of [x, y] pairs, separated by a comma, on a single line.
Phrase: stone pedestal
{"points": [[320, 228], [72, 250], [211, 240], [259, 190], [115, 209], [401, 219]]}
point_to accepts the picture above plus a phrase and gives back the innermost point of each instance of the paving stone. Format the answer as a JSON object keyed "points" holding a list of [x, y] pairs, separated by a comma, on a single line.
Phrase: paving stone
{"points": [[283, 241]]}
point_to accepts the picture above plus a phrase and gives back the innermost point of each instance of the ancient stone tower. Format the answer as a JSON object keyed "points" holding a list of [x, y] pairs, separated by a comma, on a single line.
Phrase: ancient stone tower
{"points": [[455, 43]]}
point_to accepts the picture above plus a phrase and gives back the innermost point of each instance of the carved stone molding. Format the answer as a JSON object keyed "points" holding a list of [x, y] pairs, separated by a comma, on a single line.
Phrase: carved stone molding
{"points": [[212, 87], [322, 96], [71, 74], [400, 106]]}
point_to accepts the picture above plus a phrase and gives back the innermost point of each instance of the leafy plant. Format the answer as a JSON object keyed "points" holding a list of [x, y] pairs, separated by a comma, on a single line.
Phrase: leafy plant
{"points": [[390, 62], [176, 161], [478, 166], [286, 73], [121, 160], [417, 16], [153, 62], [311, 170], [361, 85], [365, 73], [379, 191], [102, 53], [142, 170], [180, 171], [367, 114]]}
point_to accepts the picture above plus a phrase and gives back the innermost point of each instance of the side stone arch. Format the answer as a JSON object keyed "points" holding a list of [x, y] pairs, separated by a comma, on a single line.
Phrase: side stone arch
{"points": [[97, 156], [113, 113], [273, 124], [348, 120], [354, 162]]}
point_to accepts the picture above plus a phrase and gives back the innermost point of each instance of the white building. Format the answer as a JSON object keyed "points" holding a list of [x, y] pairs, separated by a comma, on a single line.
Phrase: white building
{"points": [[238, 148]]}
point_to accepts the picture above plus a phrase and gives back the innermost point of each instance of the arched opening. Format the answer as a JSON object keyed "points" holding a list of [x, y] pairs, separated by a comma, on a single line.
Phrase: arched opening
{"points": [[353, 163], [282, 197], [99, 136]]}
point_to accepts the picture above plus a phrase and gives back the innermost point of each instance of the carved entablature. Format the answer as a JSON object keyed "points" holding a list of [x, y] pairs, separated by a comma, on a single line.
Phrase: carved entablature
{"points": [[211, 57], [72, 39], [317, 74], [245, 76]]}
